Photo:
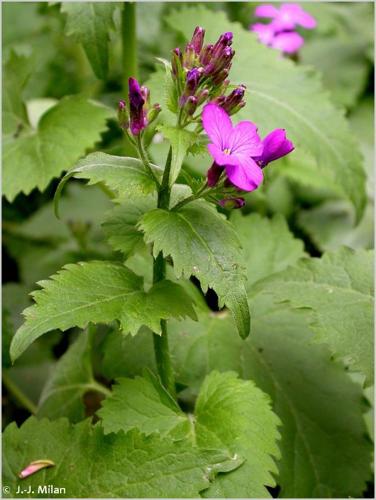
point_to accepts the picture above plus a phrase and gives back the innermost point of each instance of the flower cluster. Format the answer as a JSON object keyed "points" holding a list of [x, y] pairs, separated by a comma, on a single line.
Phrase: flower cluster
{"points": [[279, 33], [200, 74], [238, 152], [138, 114]]}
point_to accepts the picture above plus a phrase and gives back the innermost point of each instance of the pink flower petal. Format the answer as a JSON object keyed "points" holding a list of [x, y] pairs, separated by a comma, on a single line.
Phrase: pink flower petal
{"points": [[266, 11], [244, 140], [217, 124], [246, 176], [265, 32], [288, 42]]}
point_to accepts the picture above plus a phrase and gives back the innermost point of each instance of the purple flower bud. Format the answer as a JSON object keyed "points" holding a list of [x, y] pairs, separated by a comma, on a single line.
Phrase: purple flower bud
{"points": [[198, 39], [176, 62], [221, 76], [213, 174], [145, 92], [275, 145], [206, 54], [191, 84], [123, 115], [232, 202], [234, 101], [136, 106]]}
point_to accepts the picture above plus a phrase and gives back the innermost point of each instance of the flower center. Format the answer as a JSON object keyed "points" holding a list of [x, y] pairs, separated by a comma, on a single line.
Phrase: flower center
{"points": [[227, 151]]}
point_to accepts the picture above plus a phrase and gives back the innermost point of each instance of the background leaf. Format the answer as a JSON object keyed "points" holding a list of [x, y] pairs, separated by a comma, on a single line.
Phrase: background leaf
{"points": [[42, 154], [89, 24]]}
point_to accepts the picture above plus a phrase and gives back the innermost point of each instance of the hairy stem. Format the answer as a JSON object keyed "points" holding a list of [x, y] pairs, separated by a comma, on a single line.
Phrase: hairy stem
{"points": [[129, 43], [161, 349], [17, 394]]}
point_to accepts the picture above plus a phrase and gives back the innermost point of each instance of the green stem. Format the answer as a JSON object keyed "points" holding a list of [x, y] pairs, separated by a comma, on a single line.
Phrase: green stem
{"points": [[96, 386], [145, 160], [129, 43], [200, 193], [16, 392], [161, 348]]}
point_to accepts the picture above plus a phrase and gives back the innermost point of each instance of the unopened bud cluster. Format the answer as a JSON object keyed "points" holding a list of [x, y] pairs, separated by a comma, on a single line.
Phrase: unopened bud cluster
{"points": [[138, 113], [200, 73]]}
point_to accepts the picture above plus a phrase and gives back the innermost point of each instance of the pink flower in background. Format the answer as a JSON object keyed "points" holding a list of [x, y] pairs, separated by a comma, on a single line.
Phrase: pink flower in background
{"points": [[233, 147], [279, 33], [287, 17]]}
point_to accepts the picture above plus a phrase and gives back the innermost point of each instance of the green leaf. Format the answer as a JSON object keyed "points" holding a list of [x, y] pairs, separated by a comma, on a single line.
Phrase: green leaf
{"points": [[268, 243], [337, 293], [16, 73], [237, 414], [72, 378], [324, 448], [229, 413], [126, 176], [163, 301], [119, 465], [89, 24], [203, 244], [120, 225], [282, 94], [99, 292], [143, 403], [64, 132], [180, 140]]}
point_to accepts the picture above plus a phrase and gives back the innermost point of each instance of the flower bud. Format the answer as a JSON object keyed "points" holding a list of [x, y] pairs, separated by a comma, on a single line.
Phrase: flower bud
{"points": [[206, 54], [138, 119], [191, 105], [191, 84], [176, 62], [198, 39], [202, 96], [189, 56], [225, 40], [221, 76], [213, 174], [230, 203], [153, 113], [123, 115], [234, 101], [35, 467]]}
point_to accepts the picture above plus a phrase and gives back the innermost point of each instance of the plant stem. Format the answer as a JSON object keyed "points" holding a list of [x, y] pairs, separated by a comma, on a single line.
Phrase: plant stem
{"points": [[145, 160], [201, 192], [161, 349], [16, 392], [129, 43]]}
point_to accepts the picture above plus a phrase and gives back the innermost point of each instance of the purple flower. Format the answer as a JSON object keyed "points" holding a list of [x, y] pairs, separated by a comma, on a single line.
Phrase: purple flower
{"points": [[275, 145], [265, 33], [137, 113], [287, 17], [234, 147]]}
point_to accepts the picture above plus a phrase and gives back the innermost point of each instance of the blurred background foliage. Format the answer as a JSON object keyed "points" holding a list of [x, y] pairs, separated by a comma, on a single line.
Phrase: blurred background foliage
{"points": [[35, 244]]}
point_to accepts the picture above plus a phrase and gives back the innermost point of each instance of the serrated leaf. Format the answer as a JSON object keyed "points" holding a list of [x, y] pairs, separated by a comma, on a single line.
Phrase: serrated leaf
{"points": [[71, 379], [64, 133], [181, 140], [99, 292], [235, 413], [143, 403], [120, 225], [337, 290], [125, 176], [268, 243], [320, 407], [89, 24], [203, 244], [282, 94], [120, 465], [229, 413]]}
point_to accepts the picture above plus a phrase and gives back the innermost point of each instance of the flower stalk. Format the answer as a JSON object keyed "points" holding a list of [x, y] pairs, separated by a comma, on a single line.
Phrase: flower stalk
{"points": [[161, 348]]}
